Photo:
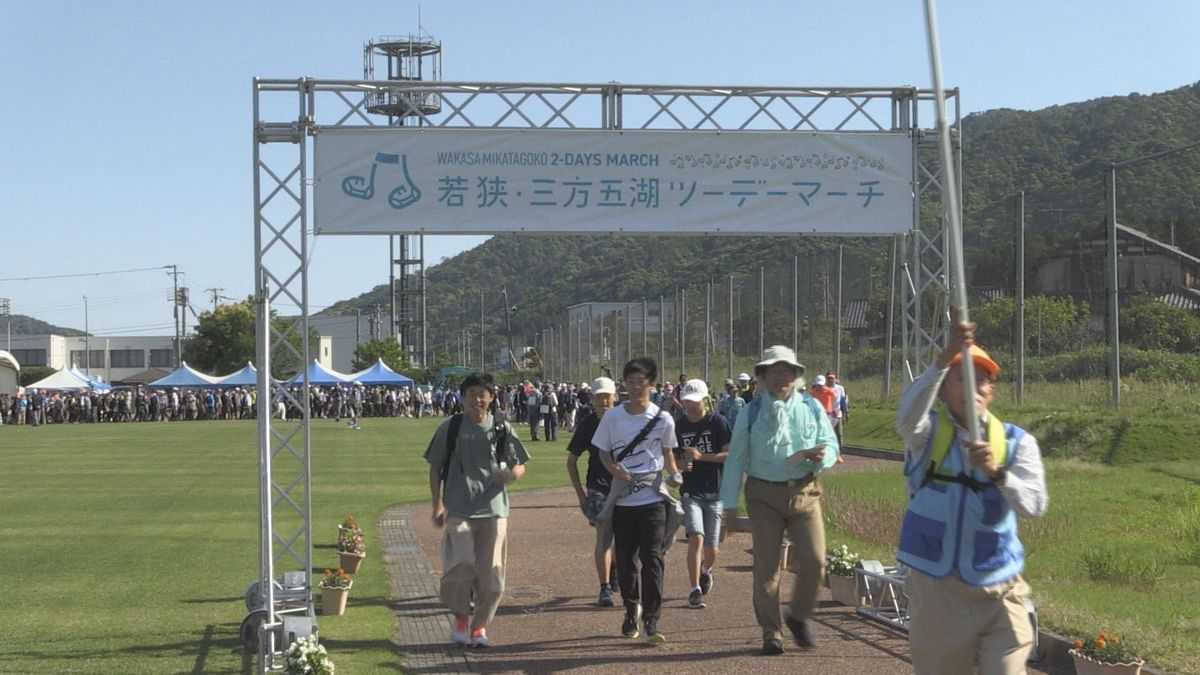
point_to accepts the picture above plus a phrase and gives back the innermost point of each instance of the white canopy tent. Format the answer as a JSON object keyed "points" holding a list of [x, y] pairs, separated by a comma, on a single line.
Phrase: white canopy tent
{"points": [[10, 371], [67, 380]]}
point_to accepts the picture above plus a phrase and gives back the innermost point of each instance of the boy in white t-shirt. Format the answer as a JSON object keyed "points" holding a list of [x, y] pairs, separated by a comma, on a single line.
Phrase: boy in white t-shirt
{"points": [[634, 441]]}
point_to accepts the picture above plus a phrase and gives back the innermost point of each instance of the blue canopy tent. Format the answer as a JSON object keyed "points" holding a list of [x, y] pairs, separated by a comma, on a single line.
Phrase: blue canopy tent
{"points": [[320, 375], [380, 373], [185, 376], [96, 383], [246, 377]]}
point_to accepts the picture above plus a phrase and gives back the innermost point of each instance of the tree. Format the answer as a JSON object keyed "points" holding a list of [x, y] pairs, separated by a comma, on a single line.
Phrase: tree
{"points": [[1150, 324], [224, 341], [367, 353]]}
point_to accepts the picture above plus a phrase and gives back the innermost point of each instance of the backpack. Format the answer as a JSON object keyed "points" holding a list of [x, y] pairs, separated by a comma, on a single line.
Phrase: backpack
{"points": [[499, 432]]}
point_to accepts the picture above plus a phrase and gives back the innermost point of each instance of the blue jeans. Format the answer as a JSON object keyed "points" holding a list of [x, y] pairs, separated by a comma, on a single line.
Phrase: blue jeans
{"points": [[702, 515]]}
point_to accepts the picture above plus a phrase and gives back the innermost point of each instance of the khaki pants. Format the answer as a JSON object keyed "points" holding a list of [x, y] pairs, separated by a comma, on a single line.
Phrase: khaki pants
{"points": [[474, 553], [953, 626], [773, 510]]}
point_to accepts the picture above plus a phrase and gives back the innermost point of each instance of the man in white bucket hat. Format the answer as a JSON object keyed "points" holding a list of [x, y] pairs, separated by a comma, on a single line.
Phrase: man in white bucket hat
{"points": [[781, 441]]}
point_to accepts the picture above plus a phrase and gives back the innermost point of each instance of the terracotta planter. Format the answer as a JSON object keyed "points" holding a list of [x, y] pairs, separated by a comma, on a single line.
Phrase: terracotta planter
{"points": [[333, 600], [842, 589], [351, 561], [1085, 665]]}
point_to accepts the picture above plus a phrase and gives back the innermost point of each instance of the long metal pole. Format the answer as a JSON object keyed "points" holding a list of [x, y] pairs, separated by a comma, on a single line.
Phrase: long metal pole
{"points": [[762, 276], [482, 366], [730, 373], [837, 322], [645, 343], [954, 230], [590, 360], [683, 329], [1114, 311], [707, 327], [891, 326], [1020, 279], [628, 332], [662, 335], [393, 326], [796, 303]]}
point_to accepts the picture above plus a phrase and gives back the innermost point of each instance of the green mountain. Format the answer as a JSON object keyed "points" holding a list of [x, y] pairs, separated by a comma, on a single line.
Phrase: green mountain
{"points": [[27, 325], [1057, 156]]}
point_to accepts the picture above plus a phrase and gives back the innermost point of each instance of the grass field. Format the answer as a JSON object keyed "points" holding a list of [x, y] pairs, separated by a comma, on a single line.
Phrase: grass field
{"points": [[130, 546]]}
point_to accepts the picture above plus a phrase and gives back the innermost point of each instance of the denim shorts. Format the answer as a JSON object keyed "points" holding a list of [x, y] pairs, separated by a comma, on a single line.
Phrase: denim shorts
{"points": [[702, 515]]}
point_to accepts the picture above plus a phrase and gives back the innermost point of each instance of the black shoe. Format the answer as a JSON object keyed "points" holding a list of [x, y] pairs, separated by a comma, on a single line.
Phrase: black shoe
{"points": [[696, 599], [772, 647], [652, 634], [629, 627], [606, 596], [800, 633], [706, 582]]}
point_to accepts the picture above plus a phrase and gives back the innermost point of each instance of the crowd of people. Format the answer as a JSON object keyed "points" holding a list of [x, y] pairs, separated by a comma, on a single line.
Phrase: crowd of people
{"points": [[663, 456]]}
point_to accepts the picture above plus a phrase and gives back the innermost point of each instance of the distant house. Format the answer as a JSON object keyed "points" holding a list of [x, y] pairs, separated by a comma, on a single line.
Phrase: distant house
{"points": [[1144, 265]]}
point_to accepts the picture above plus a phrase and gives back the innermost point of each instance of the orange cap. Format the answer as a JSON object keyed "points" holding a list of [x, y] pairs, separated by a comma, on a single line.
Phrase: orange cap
{"points": [[980, 358]]}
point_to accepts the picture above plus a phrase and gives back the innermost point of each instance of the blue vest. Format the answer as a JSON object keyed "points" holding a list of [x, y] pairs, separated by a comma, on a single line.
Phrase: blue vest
{"points": [[956, 527]]}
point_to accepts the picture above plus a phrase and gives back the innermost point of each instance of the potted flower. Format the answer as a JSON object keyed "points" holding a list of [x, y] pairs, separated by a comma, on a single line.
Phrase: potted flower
{"points": [[1108, 654], [351, 545], [306, 657], [840, 571], [334, 589]]}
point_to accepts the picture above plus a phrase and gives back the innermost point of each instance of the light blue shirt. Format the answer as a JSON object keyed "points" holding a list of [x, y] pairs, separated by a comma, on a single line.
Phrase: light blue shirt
{"points": [[762, 451]]}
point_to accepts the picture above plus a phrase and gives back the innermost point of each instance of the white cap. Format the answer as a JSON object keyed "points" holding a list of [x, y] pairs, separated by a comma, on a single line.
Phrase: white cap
{"points": [[776, 353], [604, 385], [819, 380], [744, 377], [694, 390]]}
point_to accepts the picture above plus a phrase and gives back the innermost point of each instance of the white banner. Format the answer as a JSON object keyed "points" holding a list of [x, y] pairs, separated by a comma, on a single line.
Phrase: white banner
{"points": [[491, 181]]}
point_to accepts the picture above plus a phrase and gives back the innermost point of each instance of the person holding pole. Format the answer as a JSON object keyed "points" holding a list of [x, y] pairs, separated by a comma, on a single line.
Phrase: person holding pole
{"points": [[959, 537]]}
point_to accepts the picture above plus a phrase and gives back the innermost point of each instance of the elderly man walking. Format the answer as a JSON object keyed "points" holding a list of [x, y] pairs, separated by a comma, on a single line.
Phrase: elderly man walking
{"points": [[782, 440]]}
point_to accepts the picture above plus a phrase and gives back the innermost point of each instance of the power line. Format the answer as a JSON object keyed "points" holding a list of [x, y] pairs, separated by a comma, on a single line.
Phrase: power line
{"points": [[88, 274]]}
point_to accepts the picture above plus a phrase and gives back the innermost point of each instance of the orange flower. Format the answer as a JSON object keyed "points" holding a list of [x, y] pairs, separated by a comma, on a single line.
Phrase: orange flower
{"points": [[341, 571], [1114, 639], [1078, 644], [328, 571], [1103, 636], [1101, 643]]}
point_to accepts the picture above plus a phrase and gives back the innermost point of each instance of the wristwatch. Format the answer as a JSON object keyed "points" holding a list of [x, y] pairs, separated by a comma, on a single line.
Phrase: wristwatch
{"points": [[1000, 476]]}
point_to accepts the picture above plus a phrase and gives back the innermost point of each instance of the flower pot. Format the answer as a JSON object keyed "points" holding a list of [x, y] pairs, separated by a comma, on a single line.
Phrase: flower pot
{"points": [[1086, 665], [351, 561], [333, 600], [842, 589]]}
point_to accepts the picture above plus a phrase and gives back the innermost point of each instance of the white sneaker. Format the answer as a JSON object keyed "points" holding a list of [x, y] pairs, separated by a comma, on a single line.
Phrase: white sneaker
{"points": [[458, 632], [479, 637]]}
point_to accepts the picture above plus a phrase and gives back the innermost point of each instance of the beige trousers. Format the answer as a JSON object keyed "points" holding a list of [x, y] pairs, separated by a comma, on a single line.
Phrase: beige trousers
{"points": [[773, 510], [474, 553], [954, 627]]}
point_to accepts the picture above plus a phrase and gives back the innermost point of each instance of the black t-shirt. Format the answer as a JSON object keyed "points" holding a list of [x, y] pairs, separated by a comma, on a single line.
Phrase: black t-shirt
{"points": [[708, 436], [598, 477]]}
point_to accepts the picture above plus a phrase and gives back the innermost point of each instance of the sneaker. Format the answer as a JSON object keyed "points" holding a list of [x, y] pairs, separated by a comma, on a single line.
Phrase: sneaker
{"points": [[652, 634], [696, 599], [800, 633], [479, 637], [629, 627], [706, 582], [458, 633], [772, 647], [606, 597]]}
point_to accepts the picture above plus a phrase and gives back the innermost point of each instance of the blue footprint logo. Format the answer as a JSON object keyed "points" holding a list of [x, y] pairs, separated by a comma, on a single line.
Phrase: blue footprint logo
{"points": [[403, 196]]}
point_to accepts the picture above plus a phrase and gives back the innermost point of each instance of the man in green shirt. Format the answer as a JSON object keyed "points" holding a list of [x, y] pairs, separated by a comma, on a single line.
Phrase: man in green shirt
{"points": [[472, 457]]}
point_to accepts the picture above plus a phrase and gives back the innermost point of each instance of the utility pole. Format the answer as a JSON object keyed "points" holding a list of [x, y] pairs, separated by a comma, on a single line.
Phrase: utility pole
{"points": [[5, 310], [175, 300], [87, 344], [512, 358], [215, 295]]}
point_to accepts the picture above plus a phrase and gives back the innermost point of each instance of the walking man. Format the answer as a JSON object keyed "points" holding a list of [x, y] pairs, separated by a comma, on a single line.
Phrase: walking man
{"points": [[959, 535], [703, 437], [635, 442], [472, 457], [782, 440], [599, 483]]}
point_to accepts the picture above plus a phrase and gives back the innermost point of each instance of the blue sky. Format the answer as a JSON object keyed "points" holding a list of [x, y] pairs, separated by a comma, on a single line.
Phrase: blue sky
{"points": [[125, 126]]}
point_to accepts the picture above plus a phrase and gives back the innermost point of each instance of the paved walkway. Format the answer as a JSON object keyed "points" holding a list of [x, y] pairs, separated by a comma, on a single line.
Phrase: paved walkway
{"points": [[547, 622]]}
